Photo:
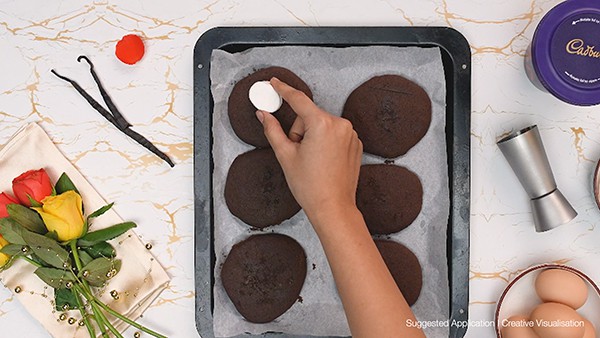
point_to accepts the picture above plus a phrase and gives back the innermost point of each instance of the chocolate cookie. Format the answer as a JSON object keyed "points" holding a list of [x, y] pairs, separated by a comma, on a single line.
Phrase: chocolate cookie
{"points": [[404, 267], [263, 276], [256, 191], [242, 114], [389, 197], [389, 113]]}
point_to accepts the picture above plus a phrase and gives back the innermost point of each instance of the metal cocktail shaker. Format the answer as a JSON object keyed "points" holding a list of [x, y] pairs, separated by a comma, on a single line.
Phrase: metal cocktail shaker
{"points": [[525, 153]]}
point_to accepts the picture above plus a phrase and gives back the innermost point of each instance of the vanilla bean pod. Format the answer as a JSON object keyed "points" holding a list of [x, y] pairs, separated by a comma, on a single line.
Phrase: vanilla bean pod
{"points": [[119, 118], [148, 145], [116, 118], [88, 98]]}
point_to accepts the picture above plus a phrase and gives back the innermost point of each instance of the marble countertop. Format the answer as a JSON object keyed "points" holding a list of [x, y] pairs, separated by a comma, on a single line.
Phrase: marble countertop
{"points": [[156, 94]]}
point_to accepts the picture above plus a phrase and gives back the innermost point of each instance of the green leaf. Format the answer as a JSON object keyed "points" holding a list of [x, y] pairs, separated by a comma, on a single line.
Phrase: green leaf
{"points": [[106, 234], [101, 211], [33, 202], [64, 297], [85, 258], [101, 249], [47, 250], [52, 235], [12, 249], [54, 277], [36, 259], [64, 183], [28, 218], [12, 231], [98, 271]]}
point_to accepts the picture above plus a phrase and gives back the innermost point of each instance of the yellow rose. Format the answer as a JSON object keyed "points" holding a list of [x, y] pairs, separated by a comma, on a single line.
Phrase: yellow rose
{"points": [[63, 214], [3, 257]]}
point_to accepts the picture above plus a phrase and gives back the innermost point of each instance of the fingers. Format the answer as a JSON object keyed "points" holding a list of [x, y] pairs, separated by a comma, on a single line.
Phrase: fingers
{"points": [[274, 133], [300, 103], [296, 133]]}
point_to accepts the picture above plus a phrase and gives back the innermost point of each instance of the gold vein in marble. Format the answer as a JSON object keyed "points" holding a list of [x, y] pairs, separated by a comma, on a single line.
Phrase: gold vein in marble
{"points": [[182, 151], [88, 15], [506, 49], [505, 274], [138, 18], [172, 89], [158, 23], [401, 11], [310, 9], [162, 300], [291, 13], [48, 22], [490, 275], [10, 299], [31, 90], [174, 236], [579, 134], [477, 137]]}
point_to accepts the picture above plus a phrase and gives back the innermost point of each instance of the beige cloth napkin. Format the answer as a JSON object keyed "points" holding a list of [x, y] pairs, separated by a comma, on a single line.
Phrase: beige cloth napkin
{"points": [[141, 278]]}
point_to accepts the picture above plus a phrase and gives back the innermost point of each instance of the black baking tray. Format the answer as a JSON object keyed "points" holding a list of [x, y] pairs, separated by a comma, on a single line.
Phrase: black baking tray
{"points": [[456, 58]]}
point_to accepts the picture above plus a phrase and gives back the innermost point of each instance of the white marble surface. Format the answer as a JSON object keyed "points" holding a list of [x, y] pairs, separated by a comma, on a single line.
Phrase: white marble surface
{"points": [[156, 96]]}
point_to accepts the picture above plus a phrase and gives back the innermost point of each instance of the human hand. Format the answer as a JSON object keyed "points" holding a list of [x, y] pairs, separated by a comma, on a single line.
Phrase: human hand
{"points": [[320, 158]]}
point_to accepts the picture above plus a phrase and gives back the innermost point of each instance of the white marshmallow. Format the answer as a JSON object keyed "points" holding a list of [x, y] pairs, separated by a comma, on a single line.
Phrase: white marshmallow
{"points": [[264, 97]]}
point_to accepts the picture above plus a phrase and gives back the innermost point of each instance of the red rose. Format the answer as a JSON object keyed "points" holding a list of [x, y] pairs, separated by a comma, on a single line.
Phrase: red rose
{"points": [[33, 183], [6, 199]]}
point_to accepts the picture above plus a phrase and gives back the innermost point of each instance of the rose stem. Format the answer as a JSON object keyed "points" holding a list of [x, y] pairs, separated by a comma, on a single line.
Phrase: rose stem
{"points": [[103, 320], [127, 320], [106, 321], [94, 301], [100, 321], [119, 119], [114, 120], [75, 251], [97, 313], [88, 325], [73, 245], [86, 287]]}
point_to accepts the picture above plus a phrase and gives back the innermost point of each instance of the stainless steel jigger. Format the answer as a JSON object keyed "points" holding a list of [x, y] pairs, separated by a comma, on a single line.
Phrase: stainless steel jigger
{"points": [[525, 153]]}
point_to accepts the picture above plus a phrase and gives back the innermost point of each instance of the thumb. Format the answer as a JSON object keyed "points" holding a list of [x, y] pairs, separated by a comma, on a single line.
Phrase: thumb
{"points": [[274, 133]]}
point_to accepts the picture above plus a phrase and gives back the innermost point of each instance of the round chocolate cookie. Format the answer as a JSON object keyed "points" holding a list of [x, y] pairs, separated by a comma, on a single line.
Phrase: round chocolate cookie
{"points": [[389, 197], [404, 267], [242, 114], [389, 113], [256, 191], [263, 276]]}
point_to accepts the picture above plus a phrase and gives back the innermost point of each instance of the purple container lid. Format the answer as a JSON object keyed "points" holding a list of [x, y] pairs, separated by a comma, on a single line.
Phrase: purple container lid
{"points": [[566, 52]]}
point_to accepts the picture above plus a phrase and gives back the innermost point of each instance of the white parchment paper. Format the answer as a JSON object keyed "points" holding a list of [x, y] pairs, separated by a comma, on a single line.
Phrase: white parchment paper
{"points": [[332, 74]]}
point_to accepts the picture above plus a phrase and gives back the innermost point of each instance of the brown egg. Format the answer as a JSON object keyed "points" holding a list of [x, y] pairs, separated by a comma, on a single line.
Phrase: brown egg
{"points": [[561, 286], [556, 320], [518, 326], [590, 330]]}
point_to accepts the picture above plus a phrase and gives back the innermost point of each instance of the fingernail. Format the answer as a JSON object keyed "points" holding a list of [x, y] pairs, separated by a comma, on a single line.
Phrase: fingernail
{"points": [[260, 116], [275, 79]]}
